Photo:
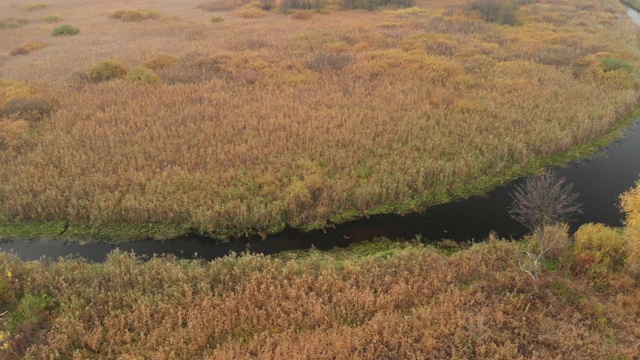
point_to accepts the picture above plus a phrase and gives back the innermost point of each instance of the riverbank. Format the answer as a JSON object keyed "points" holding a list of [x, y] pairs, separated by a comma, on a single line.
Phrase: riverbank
{"points": [[406, 301], [633, 4], [131, 233]]}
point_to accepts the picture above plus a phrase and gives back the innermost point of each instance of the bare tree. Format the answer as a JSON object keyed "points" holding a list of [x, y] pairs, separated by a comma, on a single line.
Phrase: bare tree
{"points": [[538, 203]]}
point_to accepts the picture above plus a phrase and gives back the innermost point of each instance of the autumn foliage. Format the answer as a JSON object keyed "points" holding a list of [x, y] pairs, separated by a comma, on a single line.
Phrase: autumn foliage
{"points": [[631, 205], [399, 302]]}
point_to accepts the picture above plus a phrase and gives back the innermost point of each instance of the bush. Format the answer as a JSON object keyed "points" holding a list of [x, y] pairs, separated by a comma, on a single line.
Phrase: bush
{"points": [[324, 62], [630, 202], [143, 76], [251, 11], [600, 248], [611, 64], [217, 6], [159, 62], [302, 15], [7, 294], [65, 30], [13, 89], [107, 70], [135, 15], [30, 108], [31, 309], [28, 47], [217, 19], [34, 6], [12, 23], [51, 19]]}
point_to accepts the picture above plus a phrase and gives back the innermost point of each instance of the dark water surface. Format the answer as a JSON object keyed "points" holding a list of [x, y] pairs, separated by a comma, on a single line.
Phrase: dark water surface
{"points": [[599, 180]]}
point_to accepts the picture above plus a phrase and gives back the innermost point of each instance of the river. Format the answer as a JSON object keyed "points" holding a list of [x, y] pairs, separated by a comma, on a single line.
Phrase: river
{"points": [[599, 181]]}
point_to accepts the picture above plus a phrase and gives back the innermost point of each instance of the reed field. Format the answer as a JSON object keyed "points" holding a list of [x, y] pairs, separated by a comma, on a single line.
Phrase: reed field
{"points": [[229, 118], [374, 300], [396, 301]]}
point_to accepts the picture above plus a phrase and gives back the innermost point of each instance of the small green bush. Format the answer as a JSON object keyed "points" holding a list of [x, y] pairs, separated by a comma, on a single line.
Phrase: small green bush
{"points": [[107, 70], [611, 64], [143, 76], [12, 23], [31, 310], [34, 6], [65, 30], [217, 19], [135, 15], [52, 19], [30, 108]]}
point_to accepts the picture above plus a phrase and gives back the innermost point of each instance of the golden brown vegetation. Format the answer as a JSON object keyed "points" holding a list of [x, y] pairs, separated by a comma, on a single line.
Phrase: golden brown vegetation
{"points": [[34, 6], [631, 206], [401, 301], [12, 23], [268, 121], [135, 15], [252, 10], [28, 47], [52, 19], [217, 19]]}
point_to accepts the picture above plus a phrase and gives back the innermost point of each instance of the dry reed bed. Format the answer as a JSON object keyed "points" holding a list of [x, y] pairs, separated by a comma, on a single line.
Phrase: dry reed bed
{"points": [[409, 302], [273, 121]]}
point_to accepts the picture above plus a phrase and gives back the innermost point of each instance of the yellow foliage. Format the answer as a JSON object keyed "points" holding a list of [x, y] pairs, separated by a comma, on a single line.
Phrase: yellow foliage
{"points": [[630, 202], [34, 6], [412, 12], [142, 76], [10, 90], [12, 133], [160, 61], [135, 15], [599, 247], [252, 10]]}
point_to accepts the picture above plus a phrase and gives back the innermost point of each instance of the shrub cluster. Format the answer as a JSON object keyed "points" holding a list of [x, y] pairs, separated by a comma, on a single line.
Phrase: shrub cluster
{"points": [[143, 76], [302, 15], [326, 61], [219, 6], [34, 6], [30, 108], [252, 10], [135, 15], [52, 19], [65, 30], [107, 70], [10, 90], [160, 61], [600, 249], [12, 23], [630, 202]]}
